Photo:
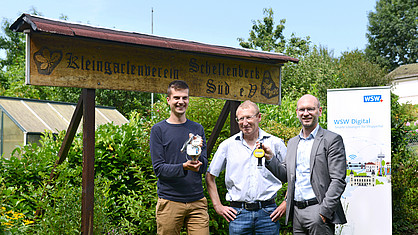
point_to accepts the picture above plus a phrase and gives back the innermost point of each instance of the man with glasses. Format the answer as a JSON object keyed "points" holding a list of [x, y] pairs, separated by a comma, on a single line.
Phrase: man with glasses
{"points": [[251, 190], [315, 169]]}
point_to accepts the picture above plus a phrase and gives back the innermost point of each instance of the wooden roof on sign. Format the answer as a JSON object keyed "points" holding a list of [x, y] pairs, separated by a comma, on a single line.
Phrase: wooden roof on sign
{"points": [[42, 24]]}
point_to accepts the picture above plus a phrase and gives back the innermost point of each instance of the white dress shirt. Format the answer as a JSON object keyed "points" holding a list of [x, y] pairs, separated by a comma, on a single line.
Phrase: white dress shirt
{"points": [[243, 180], [303, 187]]}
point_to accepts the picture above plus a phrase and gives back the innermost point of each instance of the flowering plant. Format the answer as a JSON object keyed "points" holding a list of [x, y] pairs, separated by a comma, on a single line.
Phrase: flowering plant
{"points": [[412, 131], [9, 220]]}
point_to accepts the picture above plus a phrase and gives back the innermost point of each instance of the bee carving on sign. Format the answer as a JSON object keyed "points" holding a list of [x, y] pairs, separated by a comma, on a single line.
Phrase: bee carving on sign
{"points": [[46, 60], [268, 87]]}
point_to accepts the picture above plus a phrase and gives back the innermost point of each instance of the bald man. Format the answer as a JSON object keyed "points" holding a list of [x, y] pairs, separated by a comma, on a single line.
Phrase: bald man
{"points": [[315, 169]]}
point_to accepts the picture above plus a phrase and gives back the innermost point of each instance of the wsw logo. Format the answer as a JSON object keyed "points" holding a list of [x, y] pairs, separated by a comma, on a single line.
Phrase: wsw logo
{"points": [[372, 98]]}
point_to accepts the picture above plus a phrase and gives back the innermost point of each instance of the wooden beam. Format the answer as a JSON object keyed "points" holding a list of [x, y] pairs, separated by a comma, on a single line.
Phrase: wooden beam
{"points": [[218, 127], [233, 110], [87, 212], [230, 107], [71, 131]]}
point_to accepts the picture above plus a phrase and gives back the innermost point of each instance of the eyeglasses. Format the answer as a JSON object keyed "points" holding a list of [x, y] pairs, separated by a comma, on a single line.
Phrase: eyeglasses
{"points": [[309, 110], [248, 118]]}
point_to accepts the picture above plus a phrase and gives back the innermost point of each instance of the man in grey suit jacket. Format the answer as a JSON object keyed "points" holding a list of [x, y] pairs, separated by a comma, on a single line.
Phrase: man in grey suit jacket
{"points": [[315, 169]]}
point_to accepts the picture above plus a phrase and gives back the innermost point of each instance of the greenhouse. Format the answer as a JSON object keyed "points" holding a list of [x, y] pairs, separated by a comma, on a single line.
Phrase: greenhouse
{"points": [[23, 121]]}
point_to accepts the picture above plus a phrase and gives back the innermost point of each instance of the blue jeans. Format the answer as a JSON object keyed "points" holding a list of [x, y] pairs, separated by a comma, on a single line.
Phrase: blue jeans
{"points": [[254, 222]]}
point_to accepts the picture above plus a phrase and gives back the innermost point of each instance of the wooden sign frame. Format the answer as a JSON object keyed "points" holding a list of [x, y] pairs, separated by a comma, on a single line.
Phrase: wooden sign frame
{"points": [[56, 60]]}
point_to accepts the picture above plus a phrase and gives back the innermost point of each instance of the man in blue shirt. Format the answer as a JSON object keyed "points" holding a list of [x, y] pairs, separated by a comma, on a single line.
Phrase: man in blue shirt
{"points": [[251, 190], [180, 192]]}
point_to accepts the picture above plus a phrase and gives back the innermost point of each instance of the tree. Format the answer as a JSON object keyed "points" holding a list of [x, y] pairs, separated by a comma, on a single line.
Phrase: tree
{"points": [[317, 70], [393, 33], [357, 71], [12, 66], [263, 37], [266, 37]]}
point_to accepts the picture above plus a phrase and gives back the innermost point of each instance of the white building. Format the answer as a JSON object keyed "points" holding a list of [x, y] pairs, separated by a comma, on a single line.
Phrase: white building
{"points": [[362, 180], [371, 167], [405, 83]]}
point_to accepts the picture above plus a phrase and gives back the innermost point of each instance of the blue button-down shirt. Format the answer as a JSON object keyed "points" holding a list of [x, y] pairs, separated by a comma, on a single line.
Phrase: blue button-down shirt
{"points": [[243, 179], [303, 187]]}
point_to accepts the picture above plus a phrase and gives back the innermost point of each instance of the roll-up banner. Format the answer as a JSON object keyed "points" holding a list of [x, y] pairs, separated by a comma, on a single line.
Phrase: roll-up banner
{"points": [[362, 117]]}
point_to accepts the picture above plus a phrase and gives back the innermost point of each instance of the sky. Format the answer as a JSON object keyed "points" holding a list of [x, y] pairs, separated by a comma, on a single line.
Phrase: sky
{"points": [[337, 25]]}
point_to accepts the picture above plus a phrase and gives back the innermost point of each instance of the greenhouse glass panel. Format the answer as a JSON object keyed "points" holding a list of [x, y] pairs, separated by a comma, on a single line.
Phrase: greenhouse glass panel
{"points": [[12, 136]]}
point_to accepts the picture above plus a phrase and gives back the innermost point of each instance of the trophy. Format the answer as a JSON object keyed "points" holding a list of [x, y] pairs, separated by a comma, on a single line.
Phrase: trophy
{"points": [[192, 147], [259, 153]]}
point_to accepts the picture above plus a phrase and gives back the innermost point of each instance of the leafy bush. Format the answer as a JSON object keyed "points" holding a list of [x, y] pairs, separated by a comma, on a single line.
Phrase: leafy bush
{"points": [[404, 173]]}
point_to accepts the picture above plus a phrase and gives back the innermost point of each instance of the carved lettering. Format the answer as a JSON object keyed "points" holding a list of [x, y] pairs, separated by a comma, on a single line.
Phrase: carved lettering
{"points": [[116, 68], [220, 69], [223, 89], [211, 87], [226, 89], [220, 89], [234, 72], [99, 65], [147, 71], [194, 67], [72, 61], [109, 68], [88, 64], [133, 68], [122, 68], [253, 90]]}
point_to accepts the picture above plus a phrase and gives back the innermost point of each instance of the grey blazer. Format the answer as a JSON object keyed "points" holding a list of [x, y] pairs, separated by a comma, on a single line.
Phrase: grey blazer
{"points": [[328, 173]]}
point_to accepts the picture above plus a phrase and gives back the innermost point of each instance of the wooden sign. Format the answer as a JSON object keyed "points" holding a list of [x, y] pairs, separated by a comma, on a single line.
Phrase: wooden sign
{"points": [[89, 63]]}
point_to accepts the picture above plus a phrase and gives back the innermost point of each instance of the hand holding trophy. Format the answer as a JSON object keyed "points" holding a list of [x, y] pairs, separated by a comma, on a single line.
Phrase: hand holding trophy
{"points": [[193, 146]]}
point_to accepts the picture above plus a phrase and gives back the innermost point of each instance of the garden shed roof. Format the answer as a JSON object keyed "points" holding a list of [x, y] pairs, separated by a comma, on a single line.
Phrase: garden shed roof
{"points": [[405, 83], [36, 116], [405, 71], [42, 24]]}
